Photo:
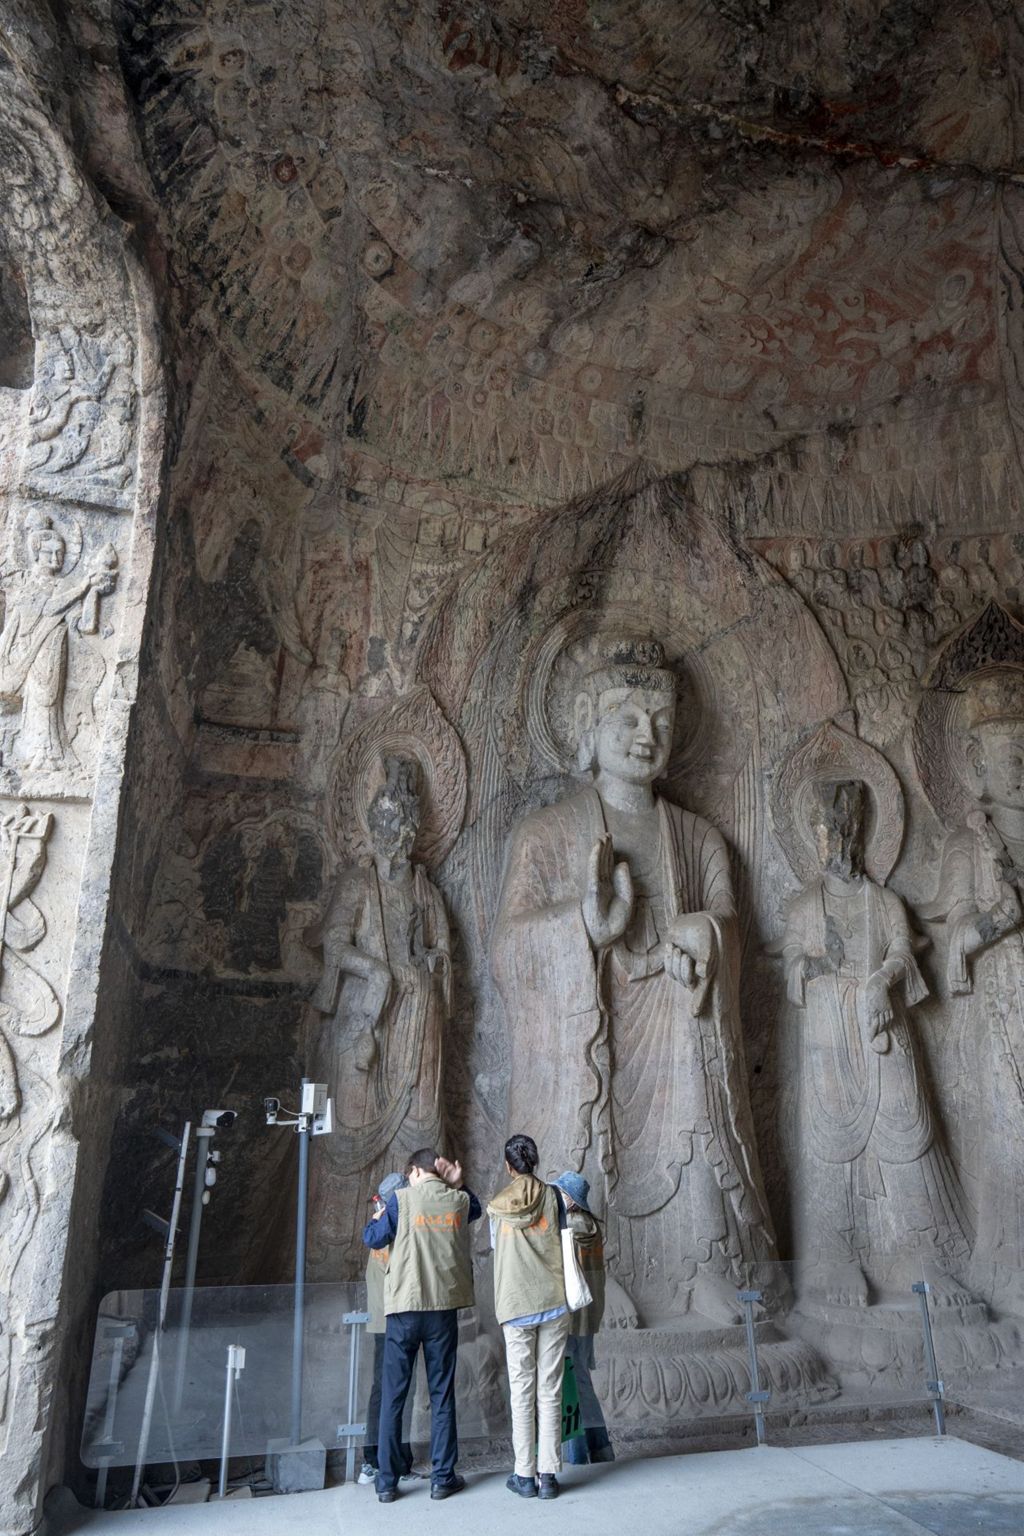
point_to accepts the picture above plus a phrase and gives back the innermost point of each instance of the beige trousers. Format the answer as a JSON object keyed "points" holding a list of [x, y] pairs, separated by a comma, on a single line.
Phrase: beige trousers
{"points": [[534, 1357]]}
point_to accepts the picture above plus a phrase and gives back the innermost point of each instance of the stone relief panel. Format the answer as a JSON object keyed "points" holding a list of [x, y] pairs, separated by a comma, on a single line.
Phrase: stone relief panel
{"points": [[379, 1015], [875, 1201], [969, 742], [885, 604], [54, 652], [532, 638], [41, 852], [87, 394]]}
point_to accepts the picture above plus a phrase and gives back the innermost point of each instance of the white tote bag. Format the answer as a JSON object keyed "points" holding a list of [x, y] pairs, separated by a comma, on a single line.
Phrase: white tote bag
{"points": [[577, 1291]]}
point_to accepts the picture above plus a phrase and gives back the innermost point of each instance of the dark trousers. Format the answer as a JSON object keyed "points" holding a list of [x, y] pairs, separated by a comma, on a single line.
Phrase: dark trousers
{"points": [[373, 1413], [438, 1335]]}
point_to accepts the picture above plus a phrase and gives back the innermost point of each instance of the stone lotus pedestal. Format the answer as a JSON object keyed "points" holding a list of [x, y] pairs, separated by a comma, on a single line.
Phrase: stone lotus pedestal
{"points": [[695, 1369]]}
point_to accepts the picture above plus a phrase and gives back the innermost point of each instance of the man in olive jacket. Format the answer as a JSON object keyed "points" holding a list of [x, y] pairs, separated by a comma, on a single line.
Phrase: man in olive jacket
{"points": [[429, 1278]]}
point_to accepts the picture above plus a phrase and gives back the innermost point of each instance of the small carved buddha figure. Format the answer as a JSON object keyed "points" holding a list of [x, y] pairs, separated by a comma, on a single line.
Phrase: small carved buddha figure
{"points": [[874, 1194], [616, 954], [981, 896], [385, 995]]}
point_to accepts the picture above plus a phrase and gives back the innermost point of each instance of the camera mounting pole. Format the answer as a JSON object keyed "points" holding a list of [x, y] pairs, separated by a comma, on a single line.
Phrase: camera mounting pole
{"points": [[315, 1118], [213, 1120]]}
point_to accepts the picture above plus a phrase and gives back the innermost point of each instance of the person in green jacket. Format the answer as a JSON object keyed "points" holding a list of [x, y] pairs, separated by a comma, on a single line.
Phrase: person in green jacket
{"points": [[529, 1301], [583, 1325]]}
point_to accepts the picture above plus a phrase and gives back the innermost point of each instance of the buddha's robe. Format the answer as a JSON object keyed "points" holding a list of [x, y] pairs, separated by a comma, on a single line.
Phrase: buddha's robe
{"points": [[619, 1069]]}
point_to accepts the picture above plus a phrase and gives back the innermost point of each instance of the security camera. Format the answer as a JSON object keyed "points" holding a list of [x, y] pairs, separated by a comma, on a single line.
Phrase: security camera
{"points": [[272, 1107], [219, 1119]]}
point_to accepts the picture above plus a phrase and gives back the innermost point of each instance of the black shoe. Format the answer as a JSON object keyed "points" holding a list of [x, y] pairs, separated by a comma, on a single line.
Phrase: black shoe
{"points": [[455, 1484], [526, 1487], [549, 1488], [386, 1495]]}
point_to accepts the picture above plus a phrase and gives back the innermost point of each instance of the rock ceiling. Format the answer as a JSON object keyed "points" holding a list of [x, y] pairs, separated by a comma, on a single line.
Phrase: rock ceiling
{"points": [[518, 239]]}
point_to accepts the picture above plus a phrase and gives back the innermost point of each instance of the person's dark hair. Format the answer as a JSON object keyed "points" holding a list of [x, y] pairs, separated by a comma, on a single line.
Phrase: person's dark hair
{"points": [[521, 1153], [425, 1159]]}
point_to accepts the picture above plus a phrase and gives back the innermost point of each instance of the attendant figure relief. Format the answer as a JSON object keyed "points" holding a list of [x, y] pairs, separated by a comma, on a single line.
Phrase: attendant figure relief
{"points": [[383, 1003], [875, 1196], [981, 899], [39, 605]]}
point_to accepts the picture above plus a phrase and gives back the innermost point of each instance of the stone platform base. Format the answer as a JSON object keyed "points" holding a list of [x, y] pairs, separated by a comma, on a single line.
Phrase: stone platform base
{"points": [[650, 1375], [887, 1341]]}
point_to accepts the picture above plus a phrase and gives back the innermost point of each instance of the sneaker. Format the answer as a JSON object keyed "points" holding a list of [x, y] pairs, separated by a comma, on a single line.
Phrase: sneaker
{"points": [[526, 1487], [367, 1475], [549, 1488], [410, 1476], [387, 1495], [455, 1484]]}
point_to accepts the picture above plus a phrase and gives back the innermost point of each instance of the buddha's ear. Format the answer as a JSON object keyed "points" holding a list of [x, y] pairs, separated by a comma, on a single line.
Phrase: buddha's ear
{"points": [[976, 767], [583, 721]]}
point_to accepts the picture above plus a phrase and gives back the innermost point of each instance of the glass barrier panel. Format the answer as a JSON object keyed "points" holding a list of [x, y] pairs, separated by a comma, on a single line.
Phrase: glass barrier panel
{"points": [[976, 1345], [166, 1386]]}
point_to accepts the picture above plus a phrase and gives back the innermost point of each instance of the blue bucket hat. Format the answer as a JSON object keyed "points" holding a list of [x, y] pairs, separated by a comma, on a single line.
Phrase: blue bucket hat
{"points": [[390, 1183], [576, 1187]]}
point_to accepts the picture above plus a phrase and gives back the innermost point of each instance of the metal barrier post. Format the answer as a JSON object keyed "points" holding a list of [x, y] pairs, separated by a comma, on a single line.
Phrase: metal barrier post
{"points": [[350, 1431], [235, 1367], [935, 1385], [758, 1396], [118, 1332]]}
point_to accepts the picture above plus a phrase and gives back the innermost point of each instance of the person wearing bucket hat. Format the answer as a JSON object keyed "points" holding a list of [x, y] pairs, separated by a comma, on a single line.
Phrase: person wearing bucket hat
{"points": [[589, 1242], [376, 1269]]}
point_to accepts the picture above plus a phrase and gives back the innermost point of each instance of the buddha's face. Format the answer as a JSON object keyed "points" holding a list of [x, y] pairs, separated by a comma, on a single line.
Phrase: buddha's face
{"points": [[1002, 762], [393, 821], [634, 733]]}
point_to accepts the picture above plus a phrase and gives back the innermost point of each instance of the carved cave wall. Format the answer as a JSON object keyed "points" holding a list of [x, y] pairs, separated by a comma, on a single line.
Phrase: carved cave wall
{"points": [[435, 290]]}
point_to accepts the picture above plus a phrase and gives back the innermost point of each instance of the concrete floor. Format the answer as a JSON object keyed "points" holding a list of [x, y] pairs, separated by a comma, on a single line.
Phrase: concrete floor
{"points": [[882, 1488]]}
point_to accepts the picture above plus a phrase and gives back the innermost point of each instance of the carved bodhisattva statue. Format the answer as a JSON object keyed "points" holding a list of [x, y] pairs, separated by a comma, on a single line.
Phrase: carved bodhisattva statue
{"points": [[38, 606], [981, 896], [874, 1194], [616, 955], [384, 996]]}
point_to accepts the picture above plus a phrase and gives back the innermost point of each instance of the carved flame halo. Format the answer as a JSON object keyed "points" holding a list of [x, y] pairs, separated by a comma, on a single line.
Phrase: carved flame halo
{"points": [[832, 754], [415, 728], [989, 645]]}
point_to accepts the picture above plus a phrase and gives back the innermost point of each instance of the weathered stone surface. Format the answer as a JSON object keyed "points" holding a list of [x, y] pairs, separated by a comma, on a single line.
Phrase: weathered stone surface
{"points": [[488, 332]]}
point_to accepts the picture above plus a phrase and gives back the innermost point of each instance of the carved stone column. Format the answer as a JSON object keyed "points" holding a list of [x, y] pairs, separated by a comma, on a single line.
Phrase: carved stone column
{"points": [[77, 499]]}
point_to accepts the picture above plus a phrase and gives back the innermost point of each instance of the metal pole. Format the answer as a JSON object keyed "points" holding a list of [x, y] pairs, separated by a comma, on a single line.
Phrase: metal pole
{"points": [[353, 1387], [757, 1396], [236, 1364], [298, 1330], [353, 1428], [165, 1286], [203, 1135], [935, 1385]]}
